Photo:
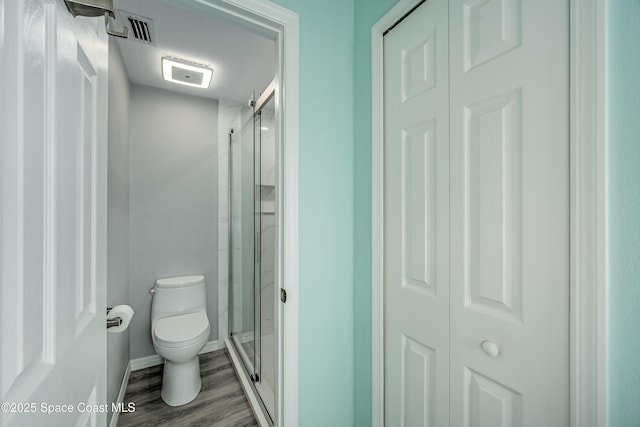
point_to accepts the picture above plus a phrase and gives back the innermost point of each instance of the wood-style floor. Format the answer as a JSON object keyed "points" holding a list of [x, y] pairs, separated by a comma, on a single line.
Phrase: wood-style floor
{"points": [[221, 401]]}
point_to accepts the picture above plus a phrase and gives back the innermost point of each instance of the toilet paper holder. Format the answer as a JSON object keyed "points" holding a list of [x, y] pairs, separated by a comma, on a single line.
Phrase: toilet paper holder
{"points": [[116, 321], [118, 318]]}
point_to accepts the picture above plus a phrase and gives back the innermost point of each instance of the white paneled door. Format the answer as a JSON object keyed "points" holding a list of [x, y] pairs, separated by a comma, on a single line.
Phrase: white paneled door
{"points": [[476, 215], [53, 88], [416, 212]]}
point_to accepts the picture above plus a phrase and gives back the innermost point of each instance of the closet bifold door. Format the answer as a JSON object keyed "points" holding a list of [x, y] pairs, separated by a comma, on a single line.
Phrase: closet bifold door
{"points": [[416, 212], [476, 215], [509, 111]]}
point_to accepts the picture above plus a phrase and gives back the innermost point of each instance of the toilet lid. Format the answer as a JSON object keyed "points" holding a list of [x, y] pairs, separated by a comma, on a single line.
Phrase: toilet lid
{"points": [[181, 330]]}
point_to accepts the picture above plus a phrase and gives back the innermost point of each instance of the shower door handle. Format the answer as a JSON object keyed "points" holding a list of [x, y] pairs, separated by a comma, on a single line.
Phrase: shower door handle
{"points": [[257, 246]]}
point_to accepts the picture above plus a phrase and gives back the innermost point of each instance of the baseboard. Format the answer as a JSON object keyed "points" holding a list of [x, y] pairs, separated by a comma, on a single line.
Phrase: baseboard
{"points": [[145, 362], [154, 360], [123, 388], [210, 346], [258, 409]]}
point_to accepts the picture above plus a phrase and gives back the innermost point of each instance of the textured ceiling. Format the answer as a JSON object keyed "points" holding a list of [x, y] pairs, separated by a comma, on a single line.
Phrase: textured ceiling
{"points": [[242, 61]]}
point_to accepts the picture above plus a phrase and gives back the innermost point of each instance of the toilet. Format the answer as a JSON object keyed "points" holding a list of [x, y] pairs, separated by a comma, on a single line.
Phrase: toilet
{"points": [[179, 330]]}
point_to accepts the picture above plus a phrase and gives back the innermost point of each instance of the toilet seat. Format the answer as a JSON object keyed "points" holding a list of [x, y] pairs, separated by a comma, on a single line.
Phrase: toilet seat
{"points": [[182, 330]]}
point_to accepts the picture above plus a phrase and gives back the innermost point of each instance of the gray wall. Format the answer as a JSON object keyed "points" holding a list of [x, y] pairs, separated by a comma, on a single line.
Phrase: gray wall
{"points": [[117, 216], [173, 200]]}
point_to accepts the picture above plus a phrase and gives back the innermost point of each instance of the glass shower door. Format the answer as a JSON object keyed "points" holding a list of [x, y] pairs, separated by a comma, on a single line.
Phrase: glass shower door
{"points": [[265, 265], [242, 295], [257, 244], [253, 246]]}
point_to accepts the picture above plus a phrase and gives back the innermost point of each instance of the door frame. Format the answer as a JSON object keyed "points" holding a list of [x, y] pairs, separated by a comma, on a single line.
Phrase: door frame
{"points": [[588, 234], [282, 24]]}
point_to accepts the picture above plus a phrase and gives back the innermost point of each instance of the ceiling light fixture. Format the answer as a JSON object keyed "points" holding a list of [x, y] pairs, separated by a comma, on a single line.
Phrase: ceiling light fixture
{"points": [[186, 72]]}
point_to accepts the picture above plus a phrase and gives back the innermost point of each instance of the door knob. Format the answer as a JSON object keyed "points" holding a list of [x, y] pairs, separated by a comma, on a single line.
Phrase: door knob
{"points": [[490, 349]]}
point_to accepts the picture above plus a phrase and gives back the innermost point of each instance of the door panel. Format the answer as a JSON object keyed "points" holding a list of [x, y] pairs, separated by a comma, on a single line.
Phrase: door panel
{"points": [[490, 404], [416, 230], [489, 27], [53, 213], [509, 212], [85, 294], [492, 152], [418, 376]]}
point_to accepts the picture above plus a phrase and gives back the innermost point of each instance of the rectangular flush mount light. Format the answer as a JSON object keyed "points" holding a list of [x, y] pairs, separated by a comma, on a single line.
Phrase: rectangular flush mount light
{"points": [[185, 72]]}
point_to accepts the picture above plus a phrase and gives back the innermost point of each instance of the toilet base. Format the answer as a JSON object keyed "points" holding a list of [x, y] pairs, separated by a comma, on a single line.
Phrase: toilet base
{"points": [[181, 382]]}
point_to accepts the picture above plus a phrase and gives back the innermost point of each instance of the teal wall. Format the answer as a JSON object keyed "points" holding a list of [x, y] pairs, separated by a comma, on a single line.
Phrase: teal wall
{"points": [[326, 211], [623, 150], [367, 13]]}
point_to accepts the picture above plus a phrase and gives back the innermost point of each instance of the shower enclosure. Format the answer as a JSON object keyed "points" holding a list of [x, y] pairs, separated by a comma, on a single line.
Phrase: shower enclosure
{"points": [[252, 263]]}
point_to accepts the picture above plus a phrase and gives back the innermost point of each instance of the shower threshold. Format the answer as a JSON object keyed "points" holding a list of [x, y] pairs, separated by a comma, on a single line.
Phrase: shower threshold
{"points": [[258, 408]]}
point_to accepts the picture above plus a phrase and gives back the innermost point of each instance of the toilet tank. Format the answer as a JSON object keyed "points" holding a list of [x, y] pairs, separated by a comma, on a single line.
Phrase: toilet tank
{"points": [[178, 295]]}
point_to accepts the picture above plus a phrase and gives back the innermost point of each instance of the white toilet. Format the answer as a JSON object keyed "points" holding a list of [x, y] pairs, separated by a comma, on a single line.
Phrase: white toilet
{"points": [[179, 330]]}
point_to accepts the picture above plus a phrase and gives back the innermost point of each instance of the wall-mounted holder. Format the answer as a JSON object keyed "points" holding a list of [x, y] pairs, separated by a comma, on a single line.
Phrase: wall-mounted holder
{"points": [[118, 318], [93, 8], [112, 323]]}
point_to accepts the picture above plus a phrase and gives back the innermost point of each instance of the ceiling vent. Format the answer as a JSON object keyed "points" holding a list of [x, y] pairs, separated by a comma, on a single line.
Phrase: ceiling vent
{"points": [[141, 28]]}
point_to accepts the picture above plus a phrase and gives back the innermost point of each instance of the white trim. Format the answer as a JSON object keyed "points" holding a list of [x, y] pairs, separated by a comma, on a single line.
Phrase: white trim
{"points": [[145, 362], [211, 346], [588, 217], [588, 210], [156, 359], [287, 270], [123, 389], [247, 386]]}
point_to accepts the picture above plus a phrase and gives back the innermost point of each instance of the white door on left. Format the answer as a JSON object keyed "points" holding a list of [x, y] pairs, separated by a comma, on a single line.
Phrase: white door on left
{"points": [[53, 194]]}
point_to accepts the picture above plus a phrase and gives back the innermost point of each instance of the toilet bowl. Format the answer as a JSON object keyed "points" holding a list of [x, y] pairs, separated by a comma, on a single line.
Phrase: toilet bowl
{"points": [[179, 330]]}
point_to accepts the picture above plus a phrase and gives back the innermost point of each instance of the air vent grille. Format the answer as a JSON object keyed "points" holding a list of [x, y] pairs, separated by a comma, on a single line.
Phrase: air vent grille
{"points": [[141, 28]]}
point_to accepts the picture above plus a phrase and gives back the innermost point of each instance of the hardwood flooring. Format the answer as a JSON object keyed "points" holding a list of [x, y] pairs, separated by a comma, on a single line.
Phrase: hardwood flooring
{"points": [[221, 401]]}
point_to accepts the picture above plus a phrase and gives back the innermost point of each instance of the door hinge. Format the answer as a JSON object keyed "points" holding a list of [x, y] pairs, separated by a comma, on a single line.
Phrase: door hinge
{"points": [[283, 295]]}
